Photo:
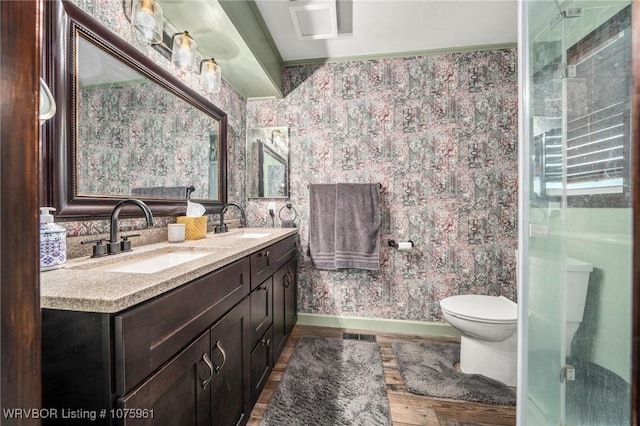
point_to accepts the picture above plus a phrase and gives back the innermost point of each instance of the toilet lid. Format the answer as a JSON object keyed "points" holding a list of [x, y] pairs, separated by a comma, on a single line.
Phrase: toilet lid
{"points": [[482, 308]]}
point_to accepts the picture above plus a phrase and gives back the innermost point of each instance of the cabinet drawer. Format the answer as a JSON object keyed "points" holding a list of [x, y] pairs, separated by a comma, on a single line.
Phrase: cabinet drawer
{"points": [[148, 335], [284, 250], [266, 261], [261, 310]]}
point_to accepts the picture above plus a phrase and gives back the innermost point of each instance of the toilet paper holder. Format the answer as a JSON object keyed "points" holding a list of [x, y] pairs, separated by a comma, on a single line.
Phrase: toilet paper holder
{"points": [[394, 243]]}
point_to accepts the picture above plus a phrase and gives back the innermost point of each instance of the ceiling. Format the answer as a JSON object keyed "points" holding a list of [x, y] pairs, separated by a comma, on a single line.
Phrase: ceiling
{"points": [[253, 39]]}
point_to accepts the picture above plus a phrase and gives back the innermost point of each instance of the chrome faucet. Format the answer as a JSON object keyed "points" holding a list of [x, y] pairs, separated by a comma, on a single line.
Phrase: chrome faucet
{"points": [[222, 227], [114, 246]]}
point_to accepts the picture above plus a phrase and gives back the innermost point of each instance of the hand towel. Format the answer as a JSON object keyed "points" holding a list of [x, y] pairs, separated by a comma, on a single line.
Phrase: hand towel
{"points": [[344, 223], [322, 213], [357, 226]]}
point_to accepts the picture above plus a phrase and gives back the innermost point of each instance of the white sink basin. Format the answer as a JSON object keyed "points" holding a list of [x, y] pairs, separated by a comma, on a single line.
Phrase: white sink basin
{"points": [[156, 263], [253, 235], [242, 234]]}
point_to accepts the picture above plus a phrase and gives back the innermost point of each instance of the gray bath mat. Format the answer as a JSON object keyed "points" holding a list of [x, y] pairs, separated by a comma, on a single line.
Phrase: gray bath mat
{"points": [[331, 382], [429, 369]]}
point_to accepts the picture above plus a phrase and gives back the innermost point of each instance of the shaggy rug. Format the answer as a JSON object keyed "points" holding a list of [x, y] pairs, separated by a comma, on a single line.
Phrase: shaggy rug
{"points": [[331, 382], [429, 369]]}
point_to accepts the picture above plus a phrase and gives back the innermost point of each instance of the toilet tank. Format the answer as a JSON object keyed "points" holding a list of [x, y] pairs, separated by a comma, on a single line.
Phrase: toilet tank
{"points": [[576, 279]]}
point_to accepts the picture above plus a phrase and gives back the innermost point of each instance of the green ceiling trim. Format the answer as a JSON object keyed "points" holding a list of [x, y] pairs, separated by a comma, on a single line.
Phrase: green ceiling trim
{"points": [[410, 54], [249, 23]]}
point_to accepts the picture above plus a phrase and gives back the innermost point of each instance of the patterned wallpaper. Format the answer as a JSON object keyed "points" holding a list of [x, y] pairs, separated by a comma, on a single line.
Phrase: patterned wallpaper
{"points": [[440, 134]]}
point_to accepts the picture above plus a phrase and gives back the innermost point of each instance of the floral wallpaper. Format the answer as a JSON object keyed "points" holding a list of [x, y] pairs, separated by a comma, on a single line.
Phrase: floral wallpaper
{"points": [[440, 134]]}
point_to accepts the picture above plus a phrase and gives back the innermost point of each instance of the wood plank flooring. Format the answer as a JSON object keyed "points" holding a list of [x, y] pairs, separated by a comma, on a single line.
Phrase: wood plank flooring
{"points": [[407, 409]]}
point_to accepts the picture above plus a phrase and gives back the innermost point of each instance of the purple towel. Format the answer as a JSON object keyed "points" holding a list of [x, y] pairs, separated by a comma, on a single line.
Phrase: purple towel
{"points": [[344, 225]]}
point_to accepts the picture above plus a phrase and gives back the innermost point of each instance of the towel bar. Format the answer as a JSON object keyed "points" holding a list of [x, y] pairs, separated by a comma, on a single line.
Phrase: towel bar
{"points": [[379, 185]]}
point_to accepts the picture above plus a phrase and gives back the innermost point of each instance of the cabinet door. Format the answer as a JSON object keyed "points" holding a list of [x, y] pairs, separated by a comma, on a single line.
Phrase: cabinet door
{"points": [[261, 311], [178, 394], [291, 296], [261, 362], [284, 305], [230, 358]]}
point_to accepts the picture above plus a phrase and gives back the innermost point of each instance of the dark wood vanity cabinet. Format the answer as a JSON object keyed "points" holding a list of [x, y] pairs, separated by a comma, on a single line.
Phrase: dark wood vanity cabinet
{"points": [[199, 354], [273, 307], [207, 383]]}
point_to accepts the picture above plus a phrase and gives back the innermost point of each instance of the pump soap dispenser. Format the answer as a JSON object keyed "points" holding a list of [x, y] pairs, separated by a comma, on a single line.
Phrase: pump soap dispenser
{"points": [[53, 242]]}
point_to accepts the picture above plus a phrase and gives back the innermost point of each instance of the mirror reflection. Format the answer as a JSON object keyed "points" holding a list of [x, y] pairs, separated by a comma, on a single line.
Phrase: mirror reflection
{"points": [[585, 155], [268, 162], [134, 137]]}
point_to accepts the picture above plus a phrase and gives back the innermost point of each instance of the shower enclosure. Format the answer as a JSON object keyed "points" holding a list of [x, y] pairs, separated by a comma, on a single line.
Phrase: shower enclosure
{"points": [[575, 204]]}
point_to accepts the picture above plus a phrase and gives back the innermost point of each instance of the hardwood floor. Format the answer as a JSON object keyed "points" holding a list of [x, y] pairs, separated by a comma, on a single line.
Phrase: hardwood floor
{"points": [[406, 408]]}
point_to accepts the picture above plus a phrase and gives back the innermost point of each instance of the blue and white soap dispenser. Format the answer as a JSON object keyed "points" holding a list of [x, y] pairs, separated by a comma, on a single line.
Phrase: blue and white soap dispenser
{"points": [[53, 241]]}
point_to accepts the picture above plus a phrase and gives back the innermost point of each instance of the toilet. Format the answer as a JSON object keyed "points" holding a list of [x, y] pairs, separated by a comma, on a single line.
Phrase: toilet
{"points": [[489, 342], [488, 324]]}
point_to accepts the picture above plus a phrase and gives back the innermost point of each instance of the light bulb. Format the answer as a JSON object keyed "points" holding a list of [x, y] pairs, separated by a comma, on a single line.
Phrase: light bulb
{"points": [[145, 24], [183, 58]]}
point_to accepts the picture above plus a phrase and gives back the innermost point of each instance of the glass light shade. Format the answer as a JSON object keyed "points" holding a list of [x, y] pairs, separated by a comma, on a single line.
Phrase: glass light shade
{"points": [[210, 76], [146, 20], [183, 51]]}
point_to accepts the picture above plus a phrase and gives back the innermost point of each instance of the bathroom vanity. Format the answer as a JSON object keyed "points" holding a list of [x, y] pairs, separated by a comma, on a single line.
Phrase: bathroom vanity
{"points": [[192, 343]]}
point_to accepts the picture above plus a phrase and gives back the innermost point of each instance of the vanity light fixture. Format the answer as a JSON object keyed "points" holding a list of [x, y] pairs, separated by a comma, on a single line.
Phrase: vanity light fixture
{"points": [[146, 20], [210, 76], [183, 52]]}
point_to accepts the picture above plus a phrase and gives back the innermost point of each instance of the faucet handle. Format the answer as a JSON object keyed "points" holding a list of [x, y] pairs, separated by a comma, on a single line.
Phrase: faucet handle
{"points": [[125, 244], [219, 229], [99, 249]]}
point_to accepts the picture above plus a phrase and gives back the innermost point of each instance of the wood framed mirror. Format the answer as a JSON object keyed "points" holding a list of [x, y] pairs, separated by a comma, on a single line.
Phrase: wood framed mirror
{"points": [[268, 162], [125, 127]]}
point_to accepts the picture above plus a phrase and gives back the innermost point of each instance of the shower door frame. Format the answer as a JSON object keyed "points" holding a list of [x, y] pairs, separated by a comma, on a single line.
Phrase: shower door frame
{"points": [[635, 173]]}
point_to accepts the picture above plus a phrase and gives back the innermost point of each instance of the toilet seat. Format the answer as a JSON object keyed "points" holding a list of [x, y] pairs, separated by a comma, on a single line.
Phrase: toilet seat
{"points": [[481, 308]]}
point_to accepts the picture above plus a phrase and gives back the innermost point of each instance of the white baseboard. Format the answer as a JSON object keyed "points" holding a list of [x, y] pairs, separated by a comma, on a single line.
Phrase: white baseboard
{"points": [[378, 324]]}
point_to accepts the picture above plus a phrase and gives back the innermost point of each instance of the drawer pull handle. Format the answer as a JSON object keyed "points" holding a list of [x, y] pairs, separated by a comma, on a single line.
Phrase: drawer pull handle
{"points": [[286, 281], [224, 356], [207, 361], [266, 342], [265, 254]]}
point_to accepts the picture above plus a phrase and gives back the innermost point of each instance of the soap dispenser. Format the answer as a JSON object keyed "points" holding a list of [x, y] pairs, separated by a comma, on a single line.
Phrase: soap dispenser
{"points": [[53, 241]]}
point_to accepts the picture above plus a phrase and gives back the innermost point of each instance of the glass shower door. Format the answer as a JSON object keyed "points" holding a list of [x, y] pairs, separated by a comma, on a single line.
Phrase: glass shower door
{"points": [[541, 310], [575, 213]]}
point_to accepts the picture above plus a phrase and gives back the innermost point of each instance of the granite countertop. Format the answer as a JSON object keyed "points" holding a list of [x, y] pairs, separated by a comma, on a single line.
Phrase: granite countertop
{"points": [[84, 284]]}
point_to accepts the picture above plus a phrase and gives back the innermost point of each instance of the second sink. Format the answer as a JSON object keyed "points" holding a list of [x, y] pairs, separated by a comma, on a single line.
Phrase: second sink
{"points": [[156, 263]]}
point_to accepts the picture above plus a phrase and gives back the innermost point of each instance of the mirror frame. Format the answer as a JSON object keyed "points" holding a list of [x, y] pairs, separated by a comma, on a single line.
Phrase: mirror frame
{"points": [[58, 174]]}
